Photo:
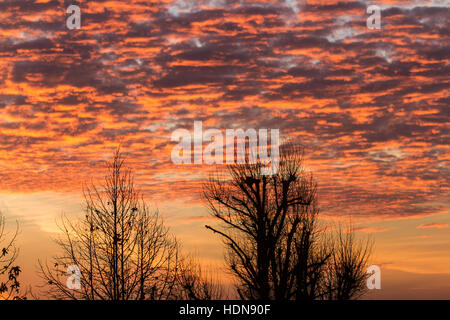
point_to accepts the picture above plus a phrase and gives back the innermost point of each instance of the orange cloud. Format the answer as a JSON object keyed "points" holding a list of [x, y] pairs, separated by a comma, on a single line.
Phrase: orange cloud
{"points": [[433, 225], [370, 229]]}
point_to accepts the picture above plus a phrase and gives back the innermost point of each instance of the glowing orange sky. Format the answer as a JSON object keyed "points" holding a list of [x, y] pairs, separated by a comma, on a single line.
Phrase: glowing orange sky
{"points": [[370, 106]]}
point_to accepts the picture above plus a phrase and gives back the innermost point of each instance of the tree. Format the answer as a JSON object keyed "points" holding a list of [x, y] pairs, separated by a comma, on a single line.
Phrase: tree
{"points": [[10, 286], [194, 284], [274, 245], [347, 266], [121, 248]]}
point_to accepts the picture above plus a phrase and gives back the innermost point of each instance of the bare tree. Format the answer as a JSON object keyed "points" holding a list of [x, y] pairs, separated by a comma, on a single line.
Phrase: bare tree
{"points": [[275, 248], [347, 266], [9, 286], [121, 248], [195, 284]]}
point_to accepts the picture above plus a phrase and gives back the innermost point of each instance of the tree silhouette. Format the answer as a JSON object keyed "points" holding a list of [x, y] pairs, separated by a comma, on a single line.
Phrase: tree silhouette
{"points": [[195, 285], [347, 266], [122, 249], [9, 286], [275, 247]]}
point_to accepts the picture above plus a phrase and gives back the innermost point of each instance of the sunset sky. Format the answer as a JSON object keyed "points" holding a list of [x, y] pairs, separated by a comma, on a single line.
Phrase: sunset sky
{"points": [[370, 106]]}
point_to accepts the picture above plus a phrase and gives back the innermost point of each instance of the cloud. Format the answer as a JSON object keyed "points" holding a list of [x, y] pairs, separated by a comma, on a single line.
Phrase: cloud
{"points": [[433, 225], [371, 229], [371, 108]]}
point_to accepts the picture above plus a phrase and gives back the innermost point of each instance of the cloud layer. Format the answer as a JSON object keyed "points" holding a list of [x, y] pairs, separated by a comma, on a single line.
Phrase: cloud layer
{"points": [[370, 106]]}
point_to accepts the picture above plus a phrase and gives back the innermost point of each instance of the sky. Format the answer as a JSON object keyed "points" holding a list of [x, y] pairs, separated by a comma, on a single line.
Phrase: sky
{"points": [[370, 106]]}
